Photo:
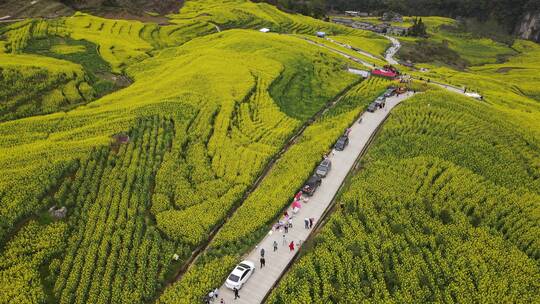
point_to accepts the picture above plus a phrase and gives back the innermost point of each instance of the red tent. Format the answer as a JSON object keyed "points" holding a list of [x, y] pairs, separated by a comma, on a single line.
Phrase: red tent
{"points": [[384, 73]]}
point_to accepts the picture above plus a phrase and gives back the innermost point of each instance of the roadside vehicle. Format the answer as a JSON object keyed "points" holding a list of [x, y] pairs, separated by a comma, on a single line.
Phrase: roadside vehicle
{"points": [[372, 107], [401, 90], [341, 143], [323, 168], [240, 274], [380, 101], [390, 92], [312, 184]]}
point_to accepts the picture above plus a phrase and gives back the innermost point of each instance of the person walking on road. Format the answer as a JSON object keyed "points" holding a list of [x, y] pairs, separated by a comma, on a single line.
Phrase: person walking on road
{"points": [[275, 246], [236, 295], [284, 240], [263, 262], [291, 246], [290, 222], [311, 220], [286, 228], [306, 223], [262, 252], [216, 293]]}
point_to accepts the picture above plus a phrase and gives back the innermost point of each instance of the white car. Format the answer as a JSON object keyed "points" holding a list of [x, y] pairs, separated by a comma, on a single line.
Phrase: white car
{"points": [[240, 275]]}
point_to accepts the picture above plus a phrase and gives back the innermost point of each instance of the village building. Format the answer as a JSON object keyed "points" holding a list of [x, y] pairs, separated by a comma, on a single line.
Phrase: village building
{"points": [[391, 17], [356, 14], [363, 26], [382, 28], [343, 21]]}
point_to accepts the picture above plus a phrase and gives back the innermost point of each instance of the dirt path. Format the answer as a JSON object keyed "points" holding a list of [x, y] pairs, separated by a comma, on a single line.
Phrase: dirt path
{"points": [[359, 51], [353, 58]]}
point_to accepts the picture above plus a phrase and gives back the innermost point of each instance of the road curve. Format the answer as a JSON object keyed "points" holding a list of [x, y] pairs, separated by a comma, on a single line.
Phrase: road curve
{"points": [[389, 56], [391, 51]]}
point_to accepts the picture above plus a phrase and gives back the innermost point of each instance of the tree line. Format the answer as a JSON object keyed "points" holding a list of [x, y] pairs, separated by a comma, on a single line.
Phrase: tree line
{"points": [[505, 12]]}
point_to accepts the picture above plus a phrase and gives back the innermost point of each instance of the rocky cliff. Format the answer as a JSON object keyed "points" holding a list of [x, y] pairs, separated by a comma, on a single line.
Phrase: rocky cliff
{"points": [[529, 26]]}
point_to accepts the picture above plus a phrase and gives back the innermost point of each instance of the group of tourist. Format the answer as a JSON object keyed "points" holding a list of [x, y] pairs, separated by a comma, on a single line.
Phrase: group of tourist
{"points": [[213, 295]]}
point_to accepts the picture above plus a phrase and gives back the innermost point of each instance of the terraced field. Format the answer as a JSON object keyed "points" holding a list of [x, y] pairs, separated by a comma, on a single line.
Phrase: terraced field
{"points": [[206, 124], [263, 206], [171, 142], [453, 212]]}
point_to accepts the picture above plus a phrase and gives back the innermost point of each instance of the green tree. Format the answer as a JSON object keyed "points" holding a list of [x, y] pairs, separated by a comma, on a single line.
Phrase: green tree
{"points": [[418, 29]]}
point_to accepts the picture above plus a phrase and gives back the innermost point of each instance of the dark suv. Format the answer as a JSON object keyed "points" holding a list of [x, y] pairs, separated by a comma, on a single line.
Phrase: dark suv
{"points": [[390, 92], [312, 184], [341, 143], [372, 107]]}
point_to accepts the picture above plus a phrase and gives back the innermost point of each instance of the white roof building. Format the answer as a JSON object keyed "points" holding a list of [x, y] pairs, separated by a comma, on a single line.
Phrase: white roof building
{"points": [[474, 95], [362, 73]]}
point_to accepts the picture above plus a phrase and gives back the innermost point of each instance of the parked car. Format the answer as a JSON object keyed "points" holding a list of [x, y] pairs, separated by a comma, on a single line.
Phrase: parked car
{"points": [[390, 92], [324, 168], [240, 275], [312, 184], [380, 101], [341, 143], [372, 107]]}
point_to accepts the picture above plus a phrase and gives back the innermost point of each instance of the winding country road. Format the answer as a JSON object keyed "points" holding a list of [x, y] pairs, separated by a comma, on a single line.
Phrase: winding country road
{"points": [[389, 56], [391, 51], [263, 280]]}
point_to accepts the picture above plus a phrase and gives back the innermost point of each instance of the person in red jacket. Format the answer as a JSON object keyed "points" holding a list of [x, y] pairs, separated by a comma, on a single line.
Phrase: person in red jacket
{"points": [[291, 246]]}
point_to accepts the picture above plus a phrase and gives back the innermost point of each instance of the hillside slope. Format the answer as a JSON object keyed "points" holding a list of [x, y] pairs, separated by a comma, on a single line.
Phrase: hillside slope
{"points": [[210, 123], [152, 137], [455, 207]]}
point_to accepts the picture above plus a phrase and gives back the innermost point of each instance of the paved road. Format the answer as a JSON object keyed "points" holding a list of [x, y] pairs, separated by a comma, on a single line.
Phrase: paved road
{"points": [[264, 279], [389, 56]]}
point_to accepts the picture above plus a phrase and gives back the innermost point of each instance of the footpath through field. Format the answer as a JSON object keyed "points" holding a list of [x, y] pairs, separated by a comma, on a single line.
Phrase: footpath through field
{"points": [[353, 58], [263, 280]]}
